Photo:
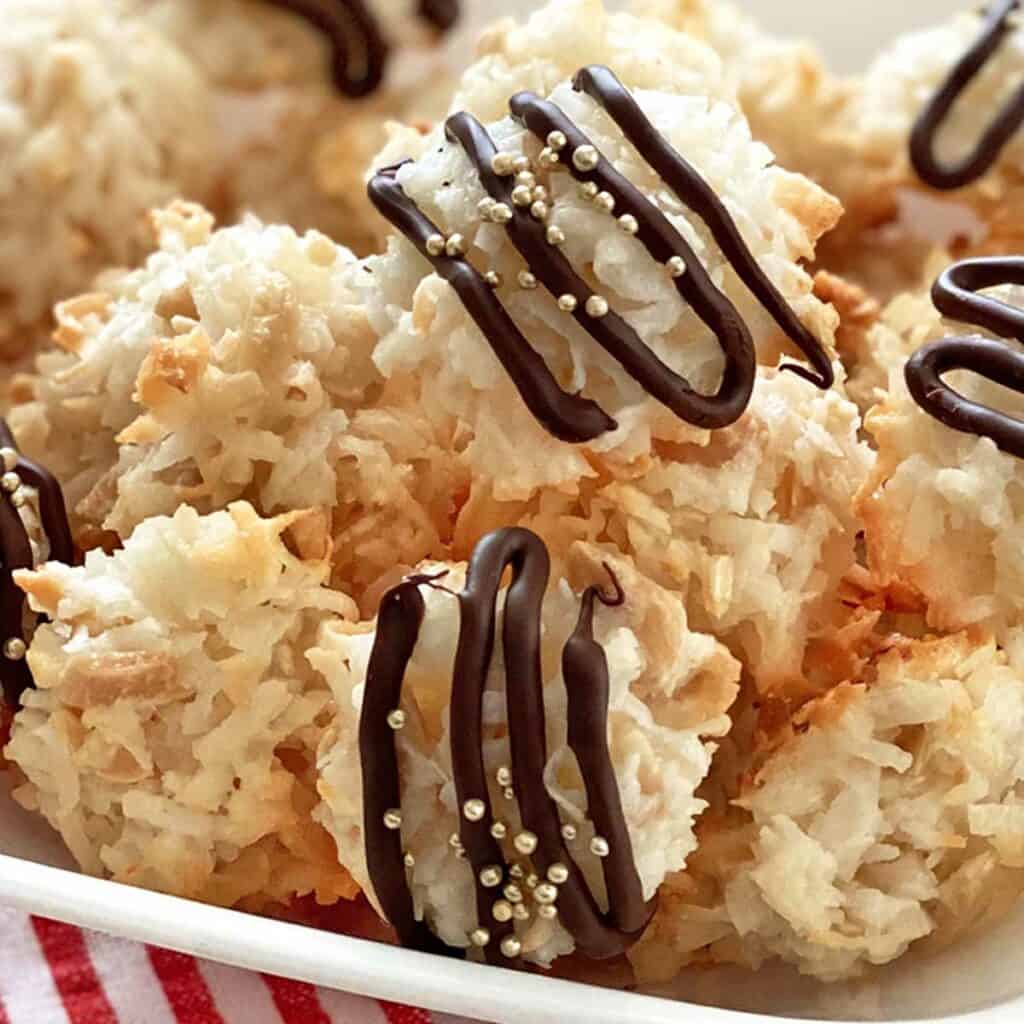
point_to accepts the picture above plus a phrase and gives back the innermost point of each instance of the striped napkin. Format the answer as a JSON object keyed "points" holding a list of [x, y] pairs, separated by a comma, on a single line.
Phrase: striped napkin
{"points": [[53, 973]]}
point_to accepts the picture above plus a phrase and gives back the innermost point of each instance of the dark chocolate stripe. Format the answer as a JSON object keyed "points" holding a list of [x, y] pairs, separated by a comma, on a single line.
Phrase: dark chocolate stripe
{"points": [[954, 295], [441, 14], [585, 670], [597, 934], [1007, 121], [568, 417], [610, 331], [16, 553], [526, 554], [601, 84], [398, 624], [359, 51]]}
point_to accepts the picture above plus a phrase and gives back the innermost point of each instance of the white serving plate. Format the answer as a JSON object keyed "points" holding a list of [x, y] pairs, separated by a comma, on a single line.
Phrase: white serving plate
{"points": [[980, 981]]}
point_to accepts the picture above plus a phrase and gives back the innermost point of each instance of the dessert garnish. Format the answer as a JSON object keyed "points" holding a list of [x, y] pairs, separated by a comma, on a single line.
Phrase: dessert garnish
{"points": [[515, 200], [949, 176], [955, 295], [537, 851]]}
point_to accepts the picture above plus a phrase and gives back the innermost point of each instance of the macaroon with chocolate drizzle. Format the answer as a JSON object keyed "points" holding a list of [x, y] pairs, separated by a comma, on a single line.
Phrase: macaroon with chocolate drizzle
{"points": [[16, 552], [955, 295], [559, 890], [359, 51], [523, 210], [969, 168]]}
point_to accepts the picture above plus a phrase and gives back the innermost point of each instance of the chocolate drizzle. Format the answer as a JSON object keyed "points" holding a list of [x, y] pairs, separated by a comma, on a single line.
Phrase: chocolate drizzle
{"points": [[359, 49], [600, 84], [16, 553], [598, 934], [1006, 123], [572, 417], [955, 296]]}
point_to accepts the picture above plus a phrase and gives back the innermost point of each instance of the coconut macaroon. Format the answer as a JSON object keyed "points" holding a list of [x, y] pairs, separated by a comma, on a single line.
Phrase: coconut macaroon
{"points": [[942, 508], [100, 119], [870, 164], [299, 116], [170, 738], [886, 812], [771, 530], [220, 369], [669, 690]]}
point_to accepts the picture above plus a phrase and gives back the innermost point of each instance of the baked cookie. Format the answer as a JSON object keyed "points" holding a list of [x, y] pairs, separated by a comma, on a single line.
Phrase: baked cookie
{"points": [[301, 94], [941, 508], [883, 813], [529, 755], [170, 737], [101, 118]]}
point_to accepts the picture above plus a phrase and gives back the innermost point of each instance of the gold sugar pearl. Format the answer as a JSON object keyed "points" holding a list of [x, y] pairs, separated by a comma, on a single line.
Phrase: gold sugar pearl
{"points": [[597, 306], [455, 246], [14, 649], [493, 278], [516, 871], [605, 201], [474, 810], [409, 860], [10, 458], [510, 793], [393, 819], [545, 893], [567, 303], [486, 207], [569, 833], [521, 912], [18, 498], [629, 224], [557, 140], [503, 164], [526, 178], [539, 210], [676, 266], [588, 189], [511, 947], [532, 881], [10, 482], [558, 873], [548, 912], [521, 164], [499, 830], [554, 235], [528, 281], [585, 158], [491, 876], [540, 194], [454, 841], [396, 719], [435, 245], [525, 843], [504, 773], [480, 937], [522, 195], [513, 893], [502, 911], [548, 158], [599, 846], [502, 213]]}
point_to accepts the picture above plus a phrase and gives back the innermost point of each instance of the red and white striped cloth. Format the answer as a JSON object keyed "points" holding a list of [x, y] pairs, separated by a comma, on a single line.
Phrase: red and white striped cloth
{"points": [[53, 973]]}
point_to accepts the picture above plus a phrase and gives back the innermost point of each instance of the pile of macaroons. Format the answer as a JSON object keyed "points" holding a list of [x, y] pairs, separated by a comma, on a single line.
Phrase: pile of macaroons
{"points": [[816, 677]]}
